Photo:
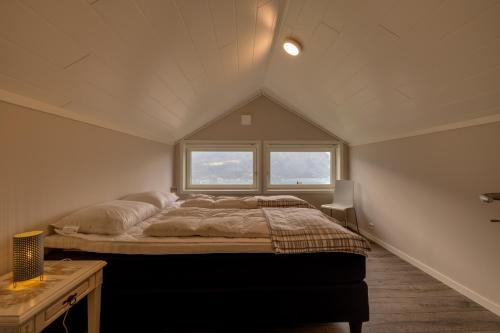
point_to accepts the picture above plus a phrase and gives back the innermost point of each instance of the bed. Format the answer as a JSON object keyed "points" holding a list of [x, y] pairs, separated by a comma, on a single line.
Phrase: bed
{"points": [[172, 281]]}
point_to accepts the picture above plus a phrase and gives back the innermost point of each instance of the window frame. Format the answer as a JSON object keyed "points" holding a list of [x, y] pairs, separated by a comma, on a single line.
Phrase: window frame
{"points": [[187, 147], [332, 146]]}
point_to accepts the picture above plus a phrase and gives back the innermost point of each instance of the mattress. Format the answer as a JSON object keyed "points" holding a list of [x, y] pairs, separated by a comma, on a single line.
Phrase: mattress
{"points": [[160, 245]]}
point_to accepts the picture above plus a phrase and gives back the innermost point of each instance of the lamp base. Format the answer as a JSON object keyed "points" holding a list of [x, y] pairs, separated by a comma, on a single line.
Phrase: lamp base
{"points": [[27, 283]]}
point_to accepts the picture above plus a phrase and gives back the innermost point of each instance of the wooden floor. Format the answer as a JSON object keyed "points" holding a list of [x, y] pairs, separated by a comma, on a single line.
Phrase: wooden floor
{"points": [[405, 299]]}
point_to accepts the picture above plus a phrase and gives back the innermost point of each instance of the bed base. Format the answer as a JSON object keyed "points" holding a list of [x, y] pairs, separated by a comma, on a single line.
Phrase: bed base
{"points": [[151, 293]]}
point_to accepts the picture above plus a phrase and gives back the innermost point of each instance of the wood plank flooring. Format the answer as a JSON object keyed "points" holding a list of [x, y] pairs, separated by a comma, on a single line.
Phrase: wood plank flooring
{"points": [[403, 299]]}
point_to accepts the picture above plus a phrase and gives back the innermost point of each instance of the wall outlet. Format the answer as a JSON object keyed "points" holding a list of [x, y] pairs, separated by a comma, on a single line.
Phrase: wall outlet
{"points": [[371, 225]]}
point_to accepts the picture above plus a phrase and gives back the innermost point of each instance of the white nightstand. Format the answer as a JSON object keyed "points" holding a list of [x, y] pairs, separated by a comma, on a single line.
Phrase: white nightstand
{"points": [[34, 304]]}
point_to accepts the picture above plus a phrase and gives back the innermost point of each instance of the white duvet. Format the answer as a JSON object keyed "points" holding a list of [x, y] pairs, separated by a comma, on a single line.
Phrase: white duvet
{"points": [[135, 241], [191, 221]]}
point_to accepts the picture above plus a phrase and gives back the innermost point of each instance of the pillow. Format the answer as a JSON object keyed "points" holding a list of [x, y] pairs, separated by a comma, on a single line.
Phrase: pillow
{"points": [[156, 198], [282, 197], [198, 202], [201, 196], [250, 202], [110, 218], [171, 197], [228, 203], [239, 203], [282, 201], [173, 204]]}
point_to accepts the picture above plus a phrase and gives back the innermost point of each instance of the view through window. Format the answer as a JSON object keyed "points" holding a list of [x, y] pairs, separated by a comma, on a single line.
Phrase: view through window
{"points": [[236, 166], [222, 168], [300, 168]]}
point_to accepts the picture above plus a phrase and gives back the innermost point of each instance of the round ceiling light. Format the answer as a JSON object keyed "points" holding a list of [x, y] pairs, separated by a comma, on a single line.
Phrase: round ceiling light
{"points": [[292, 46]]}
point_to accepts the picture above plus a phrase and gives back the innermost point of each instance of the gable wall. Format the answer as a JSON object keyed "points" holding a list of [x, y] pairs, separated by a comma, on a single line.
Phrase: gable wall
{"points": [[270, 121]]}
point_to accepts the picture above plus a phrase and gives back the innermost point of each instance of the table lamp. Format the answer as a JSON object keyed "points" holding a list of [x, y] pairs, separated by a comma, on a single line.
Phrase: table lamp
{"points": [[27, 256]]}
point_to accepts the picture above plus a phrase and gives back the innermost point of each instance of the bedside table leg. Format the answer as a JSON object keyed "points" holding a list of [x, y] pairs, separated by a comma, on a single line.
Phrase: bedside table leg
{"points": [[94, 309]]}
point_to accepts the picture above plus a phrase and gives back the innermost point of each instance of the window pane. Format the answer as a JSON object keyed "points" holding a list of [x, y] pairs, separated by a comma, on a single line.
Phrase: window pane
{"points": [[302, 168], [222, 168]]}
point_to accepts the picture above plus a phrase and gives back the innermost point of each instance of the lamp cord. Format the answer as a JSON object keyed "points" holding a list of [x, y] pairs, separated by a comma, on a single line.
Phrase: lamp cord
{"points": [[70, 305], [70, 301], [64, 319]]}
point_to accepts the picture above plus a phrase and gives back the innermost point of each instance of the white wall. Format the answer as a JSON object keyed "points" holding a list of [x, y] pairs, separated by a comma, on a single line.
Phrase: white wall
{"points": [[422, 194], [270, 121], [50, 166]]}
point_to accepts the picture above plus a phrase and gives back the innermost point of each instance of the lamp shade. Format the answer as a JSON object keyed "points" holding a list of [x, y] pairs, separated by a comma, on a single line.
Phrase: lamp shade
{"points": [[27, 255]]}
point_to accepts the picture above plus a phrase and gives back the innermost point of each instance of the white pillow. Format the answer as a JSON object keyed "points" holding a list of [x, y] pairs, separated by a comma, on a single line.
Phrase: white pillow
{"points": [[201, 196], [250, 202], [110, 218], [199, 202], [171, 197], [156, 198], [231, 203]]}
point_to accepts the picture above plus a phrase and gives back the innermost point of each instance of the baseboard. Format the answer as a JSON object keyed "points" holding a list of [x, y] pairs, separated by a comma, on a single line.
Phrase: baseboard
{"points": [[481, 300]]}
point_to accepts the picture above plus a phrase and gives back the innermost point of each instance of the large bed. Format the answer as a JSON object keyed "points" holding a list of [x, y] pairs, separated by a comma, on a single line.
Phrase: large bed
{"points": [[171, 281]]}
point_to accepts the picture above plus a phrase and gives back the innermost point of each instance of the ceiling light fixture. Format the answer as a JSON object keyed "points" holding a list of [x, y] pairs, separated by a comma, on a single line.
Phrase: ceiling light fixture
{"points": [[292, 46]]}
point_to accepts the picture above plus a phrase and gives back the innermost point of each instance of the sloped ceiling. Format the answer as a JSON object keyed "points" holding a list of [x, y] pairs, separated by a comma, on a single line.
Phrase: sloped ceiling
{"points": [[154, 68], [370, 70], [386, 68]]}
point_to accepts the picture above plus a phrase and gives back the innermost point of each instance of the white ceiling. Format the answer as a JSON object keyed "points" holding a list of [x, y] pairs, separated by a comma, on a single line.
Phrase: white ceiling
{"points": [[371, 69]]}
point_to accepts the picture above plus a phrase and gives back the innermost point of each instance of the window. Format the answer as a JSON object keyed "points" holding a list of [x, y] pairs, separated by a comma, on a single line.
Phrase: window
{"points": [[219, 166], [234, 166], [305, 166]]}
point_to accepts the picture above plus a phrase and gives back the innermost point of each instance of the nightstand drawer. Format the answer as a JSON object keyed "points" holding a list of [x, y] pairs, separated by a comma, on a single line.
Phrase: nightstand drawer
{"points": [[62, 304]]}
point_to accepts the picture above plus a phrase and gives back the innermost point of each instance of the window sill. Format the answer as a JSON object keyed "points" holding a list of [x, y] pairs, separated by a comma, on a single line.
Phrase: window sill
{"points": [[299, 190], [221, 191], [259, 192]]}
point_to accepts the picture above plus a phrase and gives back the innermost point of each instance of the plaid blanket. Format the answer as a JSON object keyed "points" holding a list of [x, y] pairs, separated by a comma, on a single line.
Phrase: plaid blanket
{"points": [[283, 201], [303, 230]]}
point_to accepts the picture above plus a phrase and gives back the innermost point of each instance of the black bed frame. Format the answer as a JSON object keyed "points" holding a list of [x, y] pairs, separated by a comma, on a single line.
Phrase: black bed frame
{"points": [[147, 293]]}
